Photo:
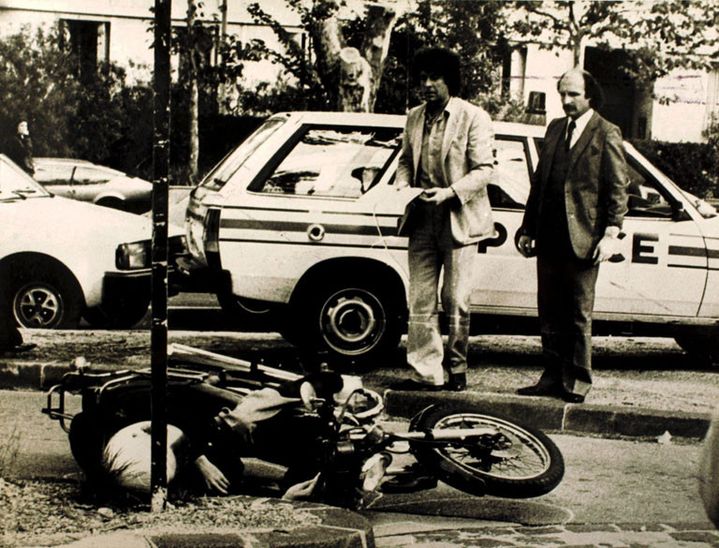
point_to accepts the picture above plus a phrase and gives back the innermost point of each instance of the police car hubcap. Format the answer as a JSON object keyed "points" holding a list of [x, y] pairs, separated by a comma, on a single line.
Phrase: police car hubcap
{"points": [[350, 322]]}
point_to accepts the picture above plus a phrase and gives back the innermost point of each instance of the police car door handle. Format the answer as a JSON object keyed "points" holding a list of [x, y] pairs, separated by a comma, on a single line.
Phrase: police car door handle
{"points": [[315, 232]]}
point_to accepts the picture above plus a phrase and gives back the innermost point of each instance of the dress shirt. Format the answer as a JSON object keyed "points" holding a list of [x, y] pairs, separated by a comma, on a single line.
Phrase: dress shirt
{"points": [[580, 124]]}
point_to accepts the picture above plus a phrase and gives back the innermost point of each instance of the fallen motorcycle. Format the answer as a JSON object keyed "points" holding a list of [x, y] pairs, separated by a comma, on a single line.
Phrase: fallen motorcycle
{"points": [[334, 437]]}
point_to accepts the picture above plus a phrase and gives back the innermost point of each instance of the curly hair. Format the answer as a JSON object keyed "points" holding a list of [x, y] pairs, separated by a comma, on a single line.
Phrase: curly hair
{"points": [[439, 62]]}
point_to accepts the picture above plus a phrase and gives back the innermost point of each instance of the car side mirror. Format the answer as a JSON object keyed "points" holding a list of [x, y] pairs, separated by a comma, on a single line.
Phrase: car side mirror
{"points": [[679, 213]]}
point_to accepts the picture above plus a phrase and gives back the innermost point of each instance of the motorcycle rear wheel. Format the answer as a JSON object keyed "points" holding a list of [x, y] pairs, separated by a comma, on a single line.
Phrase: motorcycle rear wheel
{"points": [[515, 462]]}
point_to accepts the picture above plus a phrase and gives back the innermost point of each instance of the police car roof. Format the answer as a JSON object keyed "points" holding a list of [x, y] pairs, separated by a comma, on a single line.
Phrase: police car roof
{"points": [[390, 120]]}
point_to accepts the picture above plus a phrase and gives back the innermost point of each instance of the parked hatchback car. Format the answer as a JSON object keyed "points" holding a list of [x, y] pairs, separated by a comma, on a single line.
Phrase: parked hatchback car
{"points": [[62, 259], [88, 182], [303, 215]]}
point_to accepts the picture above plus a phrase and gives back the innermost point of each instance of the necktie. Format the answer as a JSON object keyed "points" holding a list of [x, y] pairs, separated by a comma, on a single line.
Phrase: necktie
{"points": [[570, 131]]}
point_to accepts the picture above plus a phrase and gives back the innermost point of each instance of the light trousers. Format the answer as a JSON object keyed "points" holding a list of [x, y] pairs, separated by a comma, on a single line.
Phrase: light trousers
{"points": [[433, 254]]}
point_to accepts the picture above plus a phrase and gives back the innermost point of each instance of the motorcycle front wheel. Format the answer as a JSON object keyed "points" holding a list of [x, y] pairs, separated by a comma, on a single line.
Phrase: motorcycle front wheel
{"points": [[506, 459]]}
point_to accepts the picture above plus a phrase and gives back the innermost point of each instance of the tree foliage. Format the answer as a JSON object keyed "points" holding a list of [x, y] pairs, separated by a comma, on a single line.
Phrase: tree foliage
{"points": [[347, 66], [659, 36], [472, 29], [89, 118]]}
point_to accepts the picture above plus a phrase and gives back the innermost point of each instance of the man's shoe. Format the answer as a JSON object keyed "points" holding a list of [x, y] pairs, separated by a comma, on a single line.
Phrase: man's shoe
{"points": [[457, 382], [413, 385], [573, 398], [539, 390]]}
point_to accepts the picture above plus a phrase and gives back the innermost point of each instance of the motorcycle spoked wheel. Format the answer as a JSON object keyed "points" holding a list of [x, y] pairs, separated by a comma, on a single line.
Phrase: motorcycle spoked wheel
{"points": [[515, 462]]}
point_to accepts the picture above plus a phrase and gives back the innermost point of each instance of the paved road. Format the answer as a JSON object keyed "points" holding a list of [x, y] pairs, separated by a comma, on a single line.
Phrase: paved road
{"points": [[615, 492]]}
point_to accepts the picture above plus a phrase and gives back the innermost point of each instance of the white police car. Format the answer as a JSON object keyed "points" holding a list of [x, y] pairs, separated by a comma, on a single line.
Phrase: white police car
{"points": [[61, 259], [303, 215]]}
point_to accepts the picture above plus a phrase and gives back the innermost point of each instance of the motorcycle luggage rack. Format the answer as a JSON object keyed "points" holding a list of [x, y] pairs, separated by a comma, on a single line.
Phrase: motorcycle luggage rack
{"points": [[224, 365], [187, 360], [77, 380]]}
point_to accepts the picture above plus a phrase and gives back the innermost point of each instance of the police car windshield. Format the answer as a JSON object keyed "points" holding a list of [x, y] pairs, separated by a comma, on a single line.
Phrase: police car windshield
{"points": [[15, 184], [222, 173]]}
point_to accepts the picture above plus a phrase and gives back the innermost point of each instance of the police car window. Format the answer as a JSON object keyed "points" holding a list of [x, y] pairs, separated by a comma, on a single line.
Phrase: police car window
{"points": [[229, 165], [338, 162], [644, 197], [510, 186]]}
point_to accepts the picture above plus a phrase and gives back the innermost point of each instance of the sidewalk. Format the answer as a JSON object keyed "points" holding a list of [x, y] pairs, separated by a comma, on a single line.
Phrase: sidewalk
{"points": [[642, 386]]}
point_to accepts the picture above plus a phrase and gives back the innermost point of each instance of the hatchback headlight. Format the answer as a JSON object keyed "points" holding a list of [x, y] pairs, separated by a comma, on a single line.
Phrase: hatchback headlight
{"points": [[133, 256]]}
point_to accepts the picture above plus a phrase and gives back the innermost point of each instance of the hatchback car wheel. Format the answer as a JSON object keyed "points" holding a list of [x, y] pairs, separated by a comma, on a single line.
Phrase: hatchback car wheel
{"points": [[50, 300]]}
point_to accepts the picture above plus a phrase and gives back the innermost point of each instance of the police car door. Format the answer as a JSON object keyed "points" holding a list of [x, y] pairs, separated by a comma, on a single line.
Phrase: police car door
{"points": [[506, 282], [662, 271]]}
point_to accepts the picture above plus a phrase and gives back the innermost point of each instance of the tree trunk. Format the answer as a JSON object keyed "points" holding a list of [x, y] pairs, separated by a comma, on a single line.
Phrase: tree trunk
{"points": [[355, 81], [353, 77], [380, 23], [194, 97]]}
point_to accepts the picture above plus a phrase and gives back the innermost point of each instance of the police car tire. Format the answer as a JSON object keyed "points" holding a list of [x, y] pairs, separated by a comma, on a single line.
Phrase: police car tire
{"points": [[307, 319]]}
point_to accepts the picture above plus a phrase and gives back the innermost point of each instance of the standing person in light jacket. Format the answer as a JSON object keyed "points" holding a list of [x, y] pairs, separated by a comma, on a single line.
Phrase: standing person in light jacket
{"points": [[447, 151], [572, 221]]}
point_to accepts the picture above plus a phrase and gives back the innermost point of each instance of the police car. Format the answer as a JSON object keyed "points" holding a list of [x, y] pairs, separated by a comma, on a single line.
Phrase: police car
{"points": [[304, 214]]}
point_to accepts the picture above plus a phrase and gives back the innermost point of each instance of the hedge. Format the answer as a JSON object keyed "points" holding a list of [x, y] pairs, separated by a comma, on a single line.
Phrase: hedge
{"points": [[692, 166]]}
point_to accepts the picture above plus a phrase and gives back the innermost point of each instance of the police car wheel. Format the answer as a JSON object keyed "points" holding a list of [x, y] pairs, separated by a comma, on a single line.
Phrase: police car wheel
{"points": [[354, 321]]}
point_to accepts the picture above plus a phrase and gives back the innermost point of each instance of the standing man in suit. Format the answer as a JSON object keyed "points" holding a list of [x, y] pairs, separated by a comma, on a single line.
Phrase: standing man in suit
{"points": [[572, 221], [447, 151]]}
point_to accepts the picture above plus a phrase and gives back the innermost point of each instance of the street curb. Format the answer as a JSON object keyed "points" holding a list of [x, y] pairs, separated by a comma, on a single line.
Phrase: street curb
{"points": [[549, 414], [35, 376], [339, 528], [543, 413]]}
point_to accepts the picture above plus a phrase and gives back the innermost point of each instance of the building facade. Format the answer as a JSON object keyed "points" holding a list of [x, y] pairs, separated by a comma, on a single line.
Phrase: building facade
{"points": [[120, 31]]}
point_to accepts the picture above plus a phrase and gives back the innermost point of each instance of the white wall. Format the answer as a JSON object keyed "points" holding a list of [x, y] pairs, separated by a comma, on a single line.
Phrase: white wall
{"points": [[130, 38], [683, 108], [685, 102]]}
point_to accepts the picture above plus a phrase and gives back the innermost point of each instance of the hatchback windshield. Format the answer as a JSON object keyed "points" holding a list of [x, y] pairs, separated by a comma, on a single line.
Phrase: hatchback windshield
{"points": [[16, 184]]}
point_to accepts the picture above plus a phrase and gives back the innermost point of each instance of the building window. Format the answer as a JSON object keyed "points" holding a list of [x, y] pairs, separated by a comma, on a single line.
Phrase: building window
{"points": [[89, 43]]}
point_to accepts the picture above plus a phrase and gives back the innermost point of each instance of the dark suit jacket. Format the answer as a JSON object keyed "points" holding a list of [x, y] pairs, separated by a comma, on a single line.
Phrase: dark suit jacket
{"points": [[595, 190]]}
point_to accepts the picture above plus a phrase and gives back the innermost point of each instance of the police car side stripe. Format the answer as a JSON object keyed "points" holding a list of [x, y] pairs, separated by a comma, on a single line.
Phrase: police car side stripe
{"points": [[301, 227], [290, 210], [687, 251], [324, 244]]}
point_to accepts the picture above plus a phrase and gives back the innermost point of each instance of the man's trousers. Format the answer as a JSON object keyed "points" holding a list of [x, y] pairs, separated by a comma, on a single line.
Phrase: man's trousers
{"points": [[565, 299], [433, 251]]}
